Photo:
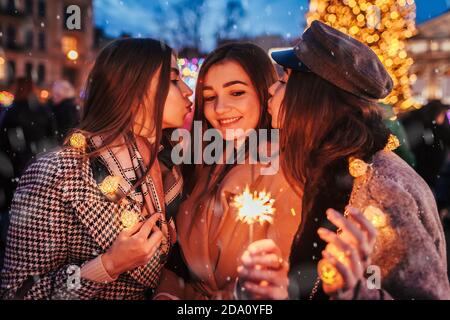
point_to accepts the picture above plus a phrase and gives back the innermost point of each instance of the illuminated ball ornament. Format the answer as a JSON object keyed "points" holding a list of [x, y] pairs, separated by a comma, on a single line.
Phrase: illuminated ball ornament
{"points": [[329, 275], [357, 167], [129, 218], [110, 185], [77, 141], [377, 217], [392, 144]]}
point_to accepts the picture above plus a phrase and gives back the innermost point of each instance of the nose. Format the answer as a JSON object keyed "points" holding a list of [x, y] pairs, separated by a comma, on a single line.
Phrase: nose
{"points": [[273, 89], [187, 92], [221, 107]]}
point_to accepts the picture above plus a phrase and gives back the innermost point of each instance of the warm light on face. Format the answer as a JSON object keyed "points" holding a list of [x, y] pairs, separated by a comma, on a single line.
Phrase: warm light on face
{"points": [[72, 55]]}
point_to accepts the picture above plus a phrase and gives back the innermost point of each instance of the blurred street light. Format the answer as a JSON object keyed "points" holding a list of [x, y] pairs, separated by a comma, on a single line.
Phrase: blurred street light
{"points": [[72, 55]]}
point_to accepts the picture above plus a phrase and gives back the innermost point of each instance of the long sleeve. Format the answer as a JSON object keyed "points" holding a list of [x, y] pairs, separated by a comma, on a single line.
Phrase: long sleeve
{"points": [[36, 260], [410, 248]]}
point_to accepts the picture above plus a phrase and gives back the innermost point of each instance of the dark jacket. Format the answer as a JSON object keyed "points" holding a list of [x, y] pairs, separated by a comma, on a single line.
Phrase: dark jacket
{"points": [[65, 117]]}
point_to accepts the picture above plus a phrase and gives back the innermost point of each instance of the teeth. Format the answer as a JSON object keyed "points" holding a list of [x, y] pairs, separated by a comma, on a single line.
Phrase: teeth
{"points": [[228, 121]]}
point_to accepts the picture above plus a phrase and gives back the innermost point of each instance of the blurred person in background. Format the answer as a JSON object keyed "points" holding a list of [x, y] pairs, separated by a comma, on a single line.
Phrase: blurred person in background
{"points": [[428, 131], [392, 123], [64, 109], [25, 131]]}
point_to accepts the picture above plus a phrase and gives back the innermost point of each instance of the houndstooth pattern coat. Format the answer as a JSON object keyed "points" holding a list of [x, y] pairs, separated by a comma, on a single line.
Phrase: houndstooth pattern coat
{"points": [[60, 220]]}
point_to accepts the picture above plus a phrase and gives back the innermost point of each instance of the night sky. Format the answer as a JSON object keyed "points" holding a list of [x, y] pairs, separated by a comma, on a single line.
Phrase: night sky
{"points": [[282, 17]]}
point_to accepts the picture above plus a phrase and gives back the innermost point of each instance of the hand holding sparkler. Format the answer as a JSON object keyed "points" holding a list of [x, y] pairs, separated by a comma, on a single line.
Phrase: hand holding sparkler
{"points": [[264, 273], [347, 254]]}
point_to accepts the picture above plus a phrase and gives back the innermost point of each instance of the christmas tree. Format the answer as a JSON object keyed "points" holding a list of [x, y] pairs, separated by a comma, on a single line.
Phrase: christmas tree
{"points": [[384, 25]]}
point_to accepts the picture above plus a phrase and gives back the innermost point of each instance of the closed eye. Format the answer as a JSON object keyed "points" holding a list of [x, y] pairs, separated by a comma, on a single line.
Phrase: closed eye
{"points": [[209, 99]]}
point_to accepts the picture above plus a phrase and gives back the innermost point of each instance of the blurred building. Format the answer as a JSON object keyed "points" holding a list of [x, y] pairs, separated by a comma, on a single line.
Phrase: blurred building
{"points": [[430, 49], [35, 41], [266, 42]]}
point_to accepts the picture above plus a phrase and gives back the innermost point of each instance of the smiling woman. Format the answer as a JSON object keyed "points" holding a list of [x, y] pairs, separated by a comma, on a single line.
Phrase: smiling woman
{"points": [[231, 101], [231, 93]]}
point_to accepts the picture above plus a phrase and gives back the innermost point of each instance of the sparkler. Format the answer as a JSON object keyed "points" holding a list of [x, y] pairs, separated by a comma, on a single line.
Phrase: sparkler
{"points": [[252, 208]]}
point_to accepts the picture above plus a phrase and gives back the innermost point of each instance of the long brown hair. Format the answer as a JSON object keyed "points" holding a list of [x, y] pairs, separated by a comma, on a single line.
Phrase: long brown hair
{"points": [[328, 125], [118, 86], [260, 70]]}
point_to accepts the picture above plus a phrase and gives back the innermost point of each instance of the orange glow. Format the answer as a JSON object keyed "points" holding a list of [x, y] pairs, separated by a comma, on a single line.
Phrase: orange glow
{"points": [[44, 94]]}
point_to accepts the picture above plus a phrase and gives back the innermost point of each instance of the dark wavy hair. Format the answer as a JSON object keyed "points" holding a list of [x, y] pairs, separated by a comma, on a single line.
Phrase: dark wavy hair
{"points": [[118, 86], [261, 72], [328, 125]]}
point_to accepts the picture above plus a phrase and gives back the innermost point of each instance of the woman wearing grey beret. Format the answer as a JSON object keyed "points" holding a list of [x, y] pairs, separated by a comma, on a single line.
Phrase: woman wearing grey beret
{"points": [[389, 242]]}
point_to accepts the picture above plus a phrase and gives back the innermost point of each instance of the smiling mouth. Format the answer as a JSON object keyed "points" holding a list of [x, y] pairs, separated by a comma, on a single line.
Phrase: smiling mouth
{"points": [[229, 121]]}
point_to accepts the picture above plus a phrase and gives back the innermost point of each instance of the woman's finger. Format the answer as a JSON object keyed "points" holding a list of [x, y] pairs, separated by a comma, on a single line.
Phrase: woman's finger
{"points": [[352, 232], [148, 225], [356, 216], [266, 292], [270, 261], [155, 240], [263, 275], [264, 246], [128, 232], [346, 226], [337, 241], [349, 280], [345, 253]]}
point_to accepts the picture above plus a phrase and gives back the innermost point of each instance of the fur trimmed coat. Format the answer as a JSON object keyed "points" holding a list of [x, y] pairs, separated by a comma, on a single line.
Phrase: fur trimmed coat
{"points": [[410, 249]]}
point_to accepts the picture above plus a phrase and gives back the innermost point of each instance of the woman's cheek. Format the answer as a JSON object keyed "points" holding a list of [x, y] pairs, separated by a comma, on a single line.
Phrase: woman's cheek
{"points": [[208, 113], [252, 112]]}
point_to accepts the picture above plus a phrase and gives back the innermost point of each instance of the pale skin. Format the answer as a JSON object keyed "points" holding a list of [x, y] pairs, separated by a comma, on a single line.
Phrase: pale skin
{"points": [[231, 101], [264, 274], [136, 246]]}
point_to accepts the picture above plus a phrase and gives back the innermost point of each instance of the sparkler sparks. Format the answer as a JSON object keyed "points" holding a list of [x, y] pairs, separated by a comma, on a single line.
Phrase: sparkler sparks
{"points": [[256, 207]]}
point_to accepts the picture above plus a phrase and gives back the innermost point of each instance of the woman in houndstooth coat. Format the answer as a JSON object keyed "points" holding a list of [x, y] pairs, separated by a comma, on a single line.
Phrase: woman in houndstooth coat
{"points": [[94, 220]]}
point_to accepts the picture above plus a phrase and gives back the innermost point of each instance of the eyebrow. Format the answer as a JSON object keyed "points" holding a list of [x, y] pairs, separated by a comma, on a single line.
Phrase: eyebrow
{"points": [[175, 70], [228, 84]]}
